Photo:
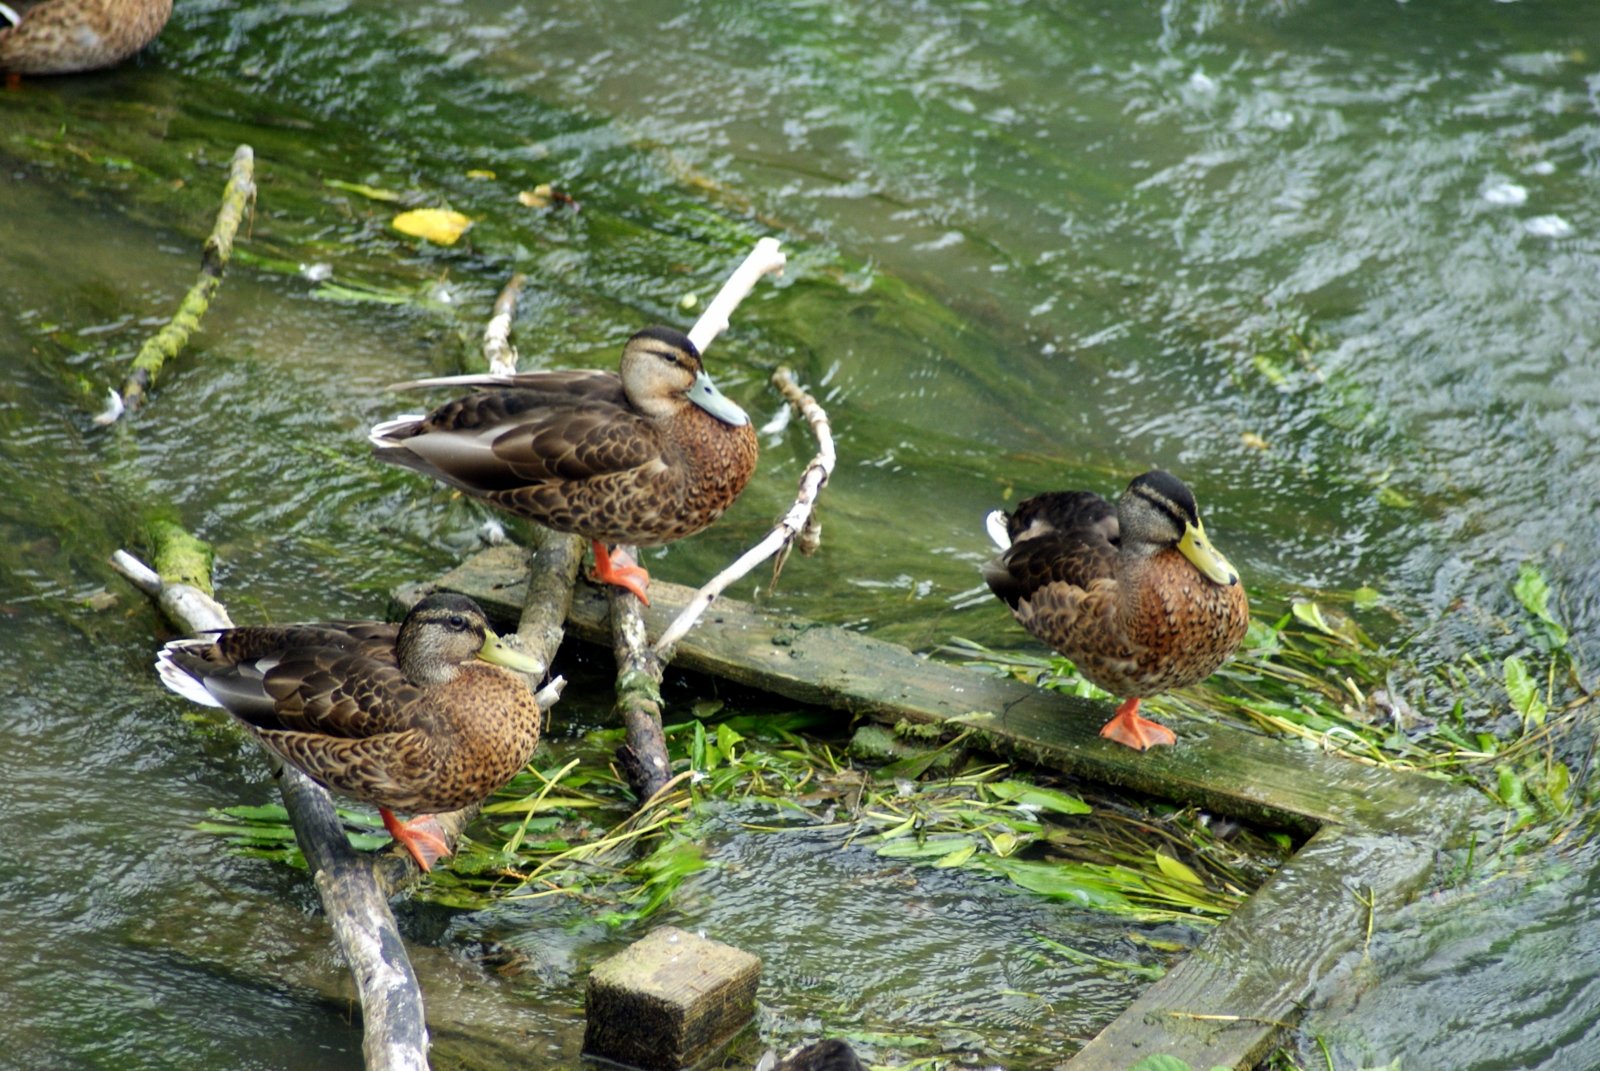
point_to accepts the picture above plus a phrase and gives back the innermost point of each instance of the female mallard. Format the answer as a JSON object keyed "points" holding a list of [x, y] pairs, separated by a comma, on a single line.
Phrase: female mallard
{"points": [[1134, 595], [418, 718], [64, 36], [646, 455]]}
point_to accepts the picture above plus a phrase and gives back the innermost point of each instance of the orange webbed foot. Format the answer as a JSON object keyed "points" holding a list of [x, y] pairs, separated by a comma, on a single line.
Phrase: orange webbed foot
{"points": [[1130, 730], [423, 837], [617, 569]]}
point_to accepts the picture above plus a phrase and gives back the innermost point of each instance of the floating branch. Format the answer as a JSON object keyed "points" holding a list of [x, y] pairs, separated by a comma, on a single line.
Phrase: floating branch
{"points": [[798, 525], [497, 347], [237, 197], [396, 1037]]}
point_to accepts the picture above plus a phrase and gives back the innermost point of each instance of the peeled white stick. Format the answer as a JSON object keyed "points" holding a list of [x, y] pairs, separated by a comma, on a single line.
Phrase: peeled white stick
{"points": [[764, 259], [497, 347], [785, 531]]}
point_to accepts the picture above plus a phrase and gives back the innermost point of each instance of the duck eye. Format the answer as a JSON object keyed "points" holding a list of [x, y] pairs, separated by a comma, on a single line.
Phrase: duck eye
{"points": [[458, 622]]}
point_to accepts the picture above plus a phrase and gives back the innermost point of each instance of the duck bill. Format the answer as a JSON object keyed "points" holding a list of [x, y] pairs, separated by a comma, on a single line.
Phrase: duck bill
{"points": [[705, 394], [1208, 559], [497, 652]]}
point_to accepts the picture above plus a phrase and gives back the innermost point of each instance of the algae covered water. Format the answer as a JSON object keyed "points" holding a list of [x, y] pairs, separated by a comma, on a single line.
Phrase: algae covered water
{"points": [[1338, 272]]}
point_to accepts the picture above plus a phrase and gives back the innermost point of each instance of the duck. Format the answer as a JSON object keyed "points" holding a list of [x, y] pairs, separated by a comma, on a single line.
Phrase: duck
{"points": [[642, 456], [1135, 594], [67, 36], [429, 716]]}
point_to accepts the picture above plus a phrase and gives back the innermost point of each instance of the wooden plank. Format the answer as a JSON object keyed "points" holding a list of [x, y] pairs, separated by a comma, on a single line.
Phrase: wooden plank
{"points": [[1279, 783], [1226, 1003], [1374, 834]]}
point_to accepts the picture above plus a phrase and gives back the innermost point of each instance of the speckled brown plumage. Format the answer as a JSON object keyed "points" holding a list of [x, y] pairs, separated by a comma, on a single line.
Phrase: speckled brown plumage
{"points": [[620, 458], [646, 455], [1110, 588], [410, 718], [64, 36]]}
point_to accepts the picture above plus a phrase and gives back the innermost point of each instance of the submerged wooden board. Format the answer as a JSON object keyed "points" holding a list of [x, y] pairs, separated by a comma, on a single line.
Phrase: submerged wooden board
{"points": [[1375, 832]]}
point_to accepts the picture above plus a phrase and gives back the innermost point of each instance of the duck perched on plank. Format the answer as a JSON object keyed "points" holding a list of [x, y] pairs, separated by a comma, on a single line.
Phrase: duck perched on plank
{"points": [[643, 456], [419, 718], [66, 36], [1134, 594]]}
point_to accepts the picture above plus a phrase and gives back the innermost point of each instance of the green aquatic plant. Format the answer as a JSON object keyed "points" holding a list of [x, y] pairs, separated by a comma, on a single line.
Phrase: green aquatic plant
{"points": [[1314, 674]]}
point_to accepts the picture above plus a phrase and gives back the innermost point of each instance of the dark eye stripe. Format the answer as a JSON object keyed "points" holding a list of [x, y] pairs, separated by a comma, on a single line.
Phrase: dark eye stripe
{"points": [[1161, 502]]}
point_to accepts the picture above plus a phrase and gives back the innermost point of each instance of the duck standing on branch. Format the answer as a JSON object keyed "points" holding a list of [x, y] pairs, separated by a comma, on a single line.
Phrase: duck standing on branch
{"points": [[1135, 595], [418, 718], [643, 456], [66, 36]]}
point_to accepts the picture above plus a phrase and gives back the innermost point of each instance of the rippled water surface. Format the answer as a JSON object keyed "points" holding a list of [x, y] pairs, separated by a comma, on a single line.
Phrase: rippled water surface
{"points": [[1339, 269]]}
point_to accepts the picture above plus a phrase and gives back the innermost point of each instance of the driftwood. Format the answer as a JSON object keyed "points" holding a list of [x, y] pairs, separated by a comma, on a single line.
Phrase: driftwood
{"points": [[643, 753], [357, 907], [497, 347], [237, 197]]}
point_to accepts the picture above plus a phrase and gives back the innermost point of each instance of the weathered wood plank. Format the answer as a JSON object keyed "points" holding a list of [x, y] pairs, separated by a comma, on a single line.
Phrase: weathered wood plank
{"points": [[1279, 783], [1375, 833], [1227, 1001]]}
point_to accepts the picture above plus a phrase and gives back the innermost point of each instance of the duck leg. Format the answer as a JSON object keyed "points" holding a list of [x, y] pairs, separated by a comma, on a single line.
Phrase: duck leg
{"points": [[619, 569], [424, 844], [1136, 732]]}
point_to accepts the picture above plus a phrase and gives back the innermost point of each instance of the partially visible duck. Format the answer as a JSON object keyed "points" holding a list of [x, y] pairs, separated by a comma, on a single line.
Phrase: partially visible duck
{"points": [[644, 456], [1135, 595], [419, 718], [65, 36]]}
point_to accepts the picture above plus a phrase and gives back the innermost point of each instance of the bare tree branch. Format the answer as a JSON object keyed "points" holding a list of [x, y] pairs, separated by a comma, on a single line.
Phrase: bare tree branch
{"points": [[795, 525]]}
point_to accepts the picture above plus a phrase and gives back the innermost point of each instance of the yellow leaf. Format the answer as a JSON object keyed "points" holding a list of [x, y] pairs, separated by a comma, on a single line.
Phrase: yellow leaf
{"points": [[480, 173], [438, 225], [1177, 871], [538, 197], [371, 193]]}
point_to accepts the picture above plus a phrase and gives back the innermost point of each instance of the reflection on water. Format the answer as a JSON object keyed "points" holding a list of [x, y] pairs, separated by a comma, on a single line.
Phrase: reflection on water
{"points": [[1338, 273]]}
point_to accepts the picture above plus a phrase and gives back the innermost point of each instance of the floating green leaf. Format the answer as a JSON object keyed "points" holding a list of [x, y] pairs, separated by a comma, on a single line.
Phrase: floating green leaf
{"points": [[371, 193], [1176, 870], [1533, 592], [1038, 798], [1524, 692]]}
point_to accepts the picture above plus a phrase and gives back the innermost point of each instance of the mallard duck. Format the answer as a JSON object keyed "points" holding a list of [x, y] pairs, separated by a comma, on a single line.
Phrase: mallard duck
{"points": [[1134, 594], [64, 36], [419, 717], [644, 456]]}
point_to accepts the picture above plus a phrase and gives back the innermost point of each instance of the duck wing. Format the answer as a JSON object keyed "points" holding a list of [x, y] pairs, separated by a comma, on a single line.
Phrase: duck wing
{"points": [[527, 429], [1062, 537], [337, 679]]}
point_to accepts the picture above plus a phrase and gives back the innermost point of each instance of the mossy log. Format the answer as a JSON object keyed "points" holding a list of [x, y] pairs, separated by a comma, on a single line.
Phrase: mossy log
{"points": [[237, 196]]}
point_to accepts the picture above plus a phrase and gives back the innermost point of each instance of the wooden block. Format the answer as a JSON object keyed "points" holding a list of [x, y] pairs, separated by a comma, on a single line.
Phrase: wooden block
{"points": [[669, 1000]]}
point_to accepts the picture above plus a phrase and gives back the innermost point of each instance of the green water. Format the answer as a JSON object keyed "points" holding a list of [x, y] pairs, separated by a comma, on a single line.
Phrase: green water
{"points": [[1032, 246]]}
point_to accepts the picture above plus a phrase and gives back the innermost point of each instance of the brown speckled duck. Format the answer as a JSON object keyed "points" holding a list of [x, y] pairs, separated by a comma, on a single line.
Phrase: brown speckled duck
{"points": [[64, 36], [418, 718], [646, 455], [1134, 595]]}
